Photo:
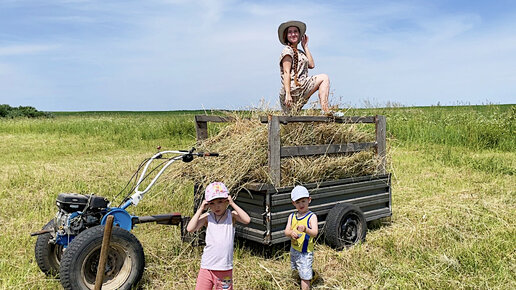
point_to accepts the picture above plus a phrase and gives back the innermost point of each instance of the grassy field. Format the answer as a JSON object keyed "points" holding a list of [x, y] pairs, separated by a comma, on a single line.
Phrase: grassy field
{"points": [[454, 200]]}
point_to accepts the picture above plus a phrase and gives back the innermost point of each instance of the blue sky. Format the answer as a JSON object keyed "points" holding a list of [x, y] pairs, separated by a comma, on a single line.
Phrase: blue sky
{"points": [[75, 55]]}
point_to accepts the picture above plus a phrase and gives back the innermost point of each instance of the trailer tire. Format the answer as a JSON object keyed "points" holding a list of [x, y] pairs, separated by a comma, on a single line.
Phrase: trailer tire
{"points": [[124, 266], [345, 226], [48, 255]]}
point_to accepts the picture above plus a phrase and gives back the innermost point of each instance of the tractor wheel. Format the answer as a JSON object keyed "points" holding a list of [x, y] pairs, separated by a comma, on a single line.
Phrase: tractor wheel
{"points": [[124, 264], [47, 254], [345, 226]]}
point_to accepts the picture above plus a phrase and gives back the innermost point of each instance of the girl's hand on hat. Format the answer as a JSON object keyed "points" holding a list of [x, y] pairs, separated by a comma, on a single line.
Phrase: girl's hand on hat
{"points": [[230, 199], [301, 228], [205, 205]]}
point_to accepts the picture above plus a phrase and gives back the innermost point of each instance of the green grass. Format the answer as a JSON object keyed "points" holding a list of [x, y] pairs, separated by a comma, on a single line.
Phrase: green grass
{"points": [[475, 127], [454, 200], [122, 130]]}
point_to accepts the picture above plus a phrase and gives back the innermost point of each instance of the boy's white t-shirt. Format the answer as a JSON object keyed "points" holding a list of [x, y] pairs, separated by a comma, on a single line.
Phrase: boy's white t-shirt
{"points": [[218, 252]]}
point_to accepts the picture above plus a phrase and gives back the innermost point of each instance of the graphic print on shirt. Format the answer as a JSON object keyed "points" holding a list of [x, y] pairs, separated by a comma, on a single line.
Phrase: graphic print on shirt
{"points": [[226, 282], [304, 243]]}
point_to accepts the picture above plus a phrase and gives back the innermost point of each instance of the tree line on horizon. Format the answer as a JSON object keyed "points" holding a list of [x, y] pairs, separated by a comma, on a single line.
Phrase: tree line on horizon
{"points": [[7, 111]]}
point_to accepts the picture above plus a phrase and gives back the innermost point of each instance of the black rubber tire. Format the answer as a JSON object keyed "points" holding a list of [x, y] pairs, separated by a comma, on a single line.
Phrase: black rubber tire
{"points": [[345, 226], [48, 255], [124, 266]]}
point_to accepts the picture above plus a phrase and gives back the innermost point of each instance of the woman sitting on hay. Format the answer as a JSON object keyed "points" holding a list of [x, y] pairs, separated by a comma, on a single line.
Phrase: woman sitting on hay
{"points": [[297, 86]]}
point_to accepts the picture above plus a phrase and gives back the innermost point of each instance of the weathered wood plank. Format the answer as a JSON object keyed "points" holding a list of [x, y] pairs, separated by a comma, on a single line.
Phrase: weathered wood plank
{"points": [[215, 119], [293, 151], [345, 120], [320, 210], [201, 130], [269, 188], [351, 190], [381, 149], [260, 187], [274, 150]]}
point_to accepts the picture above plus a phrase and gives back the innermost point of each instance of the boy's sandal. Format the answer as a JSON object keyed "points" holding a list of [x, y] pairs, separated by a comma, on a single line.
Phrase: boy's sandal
{"points": [[315, 277]]}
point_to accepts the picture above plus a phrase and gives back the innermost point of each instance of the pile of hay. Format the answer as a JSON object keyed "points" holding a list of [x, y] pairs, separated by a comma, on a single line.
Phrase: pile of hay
{"points": [[243, 143]]}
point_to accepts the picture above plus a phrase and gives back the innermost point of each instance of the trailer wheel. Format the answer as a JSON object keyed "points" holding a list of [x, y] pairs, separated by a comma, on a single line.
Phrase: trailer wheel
{"points": [[47, 254], [124, 266], [345, 226]]}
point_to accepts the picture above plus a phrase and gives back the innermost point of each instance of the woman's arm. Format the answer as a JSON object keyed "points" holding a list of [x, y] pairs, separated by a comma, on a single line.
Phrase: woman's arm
{"points": [[286, 64], [199, 219], [304, 44], [238, 213]]}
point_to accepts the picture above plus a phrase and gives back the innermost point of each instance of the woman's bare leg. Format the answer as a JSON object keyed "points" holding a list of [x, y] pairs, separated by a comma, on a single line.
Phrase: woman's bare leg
{"points": [[322, 83]]}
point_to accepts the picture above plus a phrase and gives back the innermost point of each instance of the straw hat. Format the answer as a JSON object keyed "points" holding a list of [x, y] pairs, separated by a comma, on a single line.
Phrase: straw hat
{"points": [[283, 26]]}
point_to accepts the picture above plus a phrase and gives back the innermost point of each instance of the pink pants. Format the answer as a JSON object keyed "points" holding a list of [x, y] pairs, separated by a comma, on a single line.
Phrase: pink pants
{"points": [[209, 278]]}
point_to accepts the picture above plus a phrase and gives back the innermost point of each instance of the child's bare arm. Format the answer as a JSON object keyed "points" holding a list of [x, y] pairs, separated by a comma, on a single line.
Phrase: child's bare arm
{"points": [[288, 231], [238, 213], [314, 227], [199, 219]]}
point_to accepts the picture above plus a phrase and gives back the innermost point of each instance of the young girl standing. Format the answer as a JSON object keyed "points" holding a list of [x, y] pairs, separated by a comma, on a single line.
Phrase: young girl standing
{"points": [[217, 258]]}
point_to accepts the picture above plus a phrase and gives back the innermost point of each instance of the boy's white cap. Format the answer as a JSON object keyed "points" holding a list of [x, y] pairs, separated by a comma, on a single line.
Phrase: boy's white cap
{"points": [[299, 192]]}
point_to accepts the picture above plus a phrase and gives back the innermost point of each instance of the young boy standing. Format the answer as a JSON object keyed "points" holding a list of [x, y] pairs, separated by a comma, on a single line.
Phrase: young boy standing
{"points": [[302, 228]]}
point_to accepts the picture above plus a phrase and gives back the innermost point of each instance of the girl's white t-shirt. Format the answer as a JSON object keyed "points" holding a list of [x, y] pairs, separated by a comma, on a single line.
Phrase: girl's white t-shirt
{"points": [[218, 252]]}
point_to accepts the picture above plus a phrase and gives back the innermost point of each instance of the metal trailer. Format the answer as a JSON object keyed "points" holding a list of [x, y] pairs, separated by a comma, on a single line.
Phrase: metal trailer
{"points": [[343, 206]]}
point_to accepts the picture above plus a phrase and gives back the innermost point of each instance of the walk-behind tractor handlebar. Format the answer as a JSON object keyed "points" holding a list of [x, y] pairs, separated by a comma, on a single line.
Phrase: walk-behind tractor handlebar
{"points": [[69, 245], [185, 156]]}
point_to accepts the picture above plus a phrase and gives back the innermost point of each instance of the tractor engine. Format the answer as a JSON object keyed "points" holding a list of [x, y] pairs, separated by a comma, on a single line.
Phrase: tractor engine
{"points": [[77, 212]]}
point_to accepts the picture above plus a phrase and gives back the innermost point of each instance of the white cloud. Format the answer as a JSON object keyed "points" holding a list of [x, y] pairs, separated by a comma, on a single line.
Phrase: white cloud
{"points": [[24, 49], [180, 54]]}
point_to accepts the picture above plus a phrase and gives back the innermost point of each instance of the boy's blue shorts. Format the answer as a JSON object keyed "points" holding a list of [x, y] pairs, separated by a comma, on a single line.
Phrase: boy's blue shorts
{"points": [[302, 262]]}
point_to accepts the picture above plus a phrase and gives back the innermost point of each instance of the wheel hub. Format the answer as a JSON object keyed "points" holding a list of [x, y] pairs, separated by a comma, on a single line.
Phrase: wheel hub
{"points": [[116, 271], [349, 230]]}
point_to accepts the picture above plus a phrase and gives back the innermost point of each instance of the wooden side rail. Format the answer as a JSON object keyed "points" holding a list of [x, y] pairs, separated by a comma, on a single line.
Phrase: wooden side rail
{"points": [[322, 119], [381, 142], [201, 124], [276, 151]]}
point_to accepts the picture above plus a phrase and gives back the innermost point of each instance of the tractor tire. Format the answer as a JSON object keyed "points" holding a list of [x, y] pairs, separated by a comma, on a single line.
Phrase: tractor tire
{"points": [[124, 265], [48, 255], [345, 226]]}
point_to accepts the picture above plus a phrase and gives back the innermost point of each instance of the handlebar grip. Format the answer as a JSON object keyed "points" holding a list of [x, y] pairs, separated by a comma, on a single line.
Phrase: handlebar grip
{"points": [[214, 154]]}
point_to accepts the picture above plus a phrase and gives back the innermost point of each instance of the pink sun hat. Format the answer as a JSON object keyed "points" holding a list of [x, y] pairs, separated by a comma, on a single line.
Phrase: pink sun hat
{"points": [[216, 190]]}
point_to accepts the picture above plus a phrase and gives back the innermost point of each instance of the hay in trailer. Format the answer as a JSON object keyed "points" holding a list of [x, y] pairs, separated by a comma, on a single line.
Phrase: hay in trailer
{"points": [[243, 143]]}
